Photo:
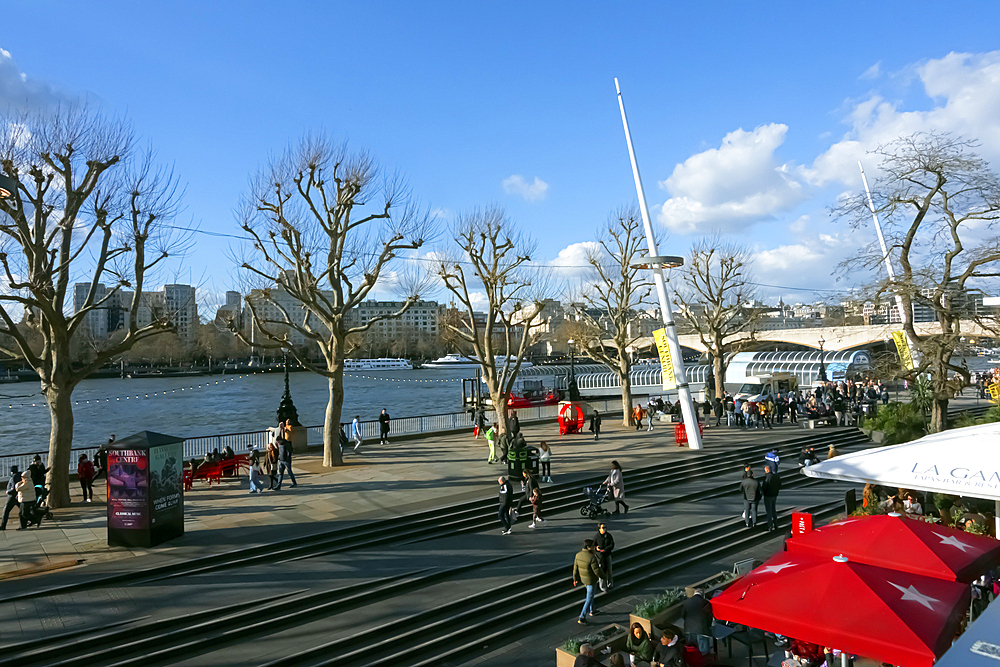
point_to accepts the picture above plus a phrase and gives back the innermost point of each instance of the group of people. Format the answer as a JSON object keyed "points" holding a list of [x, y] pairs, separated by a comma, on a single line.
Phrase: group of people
{"points": [[25, 490], [275, 462], [766, 488]]}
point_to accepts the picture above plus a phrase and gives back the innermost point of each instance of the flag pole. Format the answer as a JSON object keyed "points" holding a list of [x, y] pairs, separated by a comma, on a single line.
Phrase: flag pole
{"points": [[683, 390]]}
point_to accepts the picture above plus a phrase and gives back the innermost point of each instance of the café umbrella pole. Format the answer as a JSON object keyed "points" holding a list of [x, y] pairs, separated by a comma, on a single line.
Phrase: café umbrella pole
{"points": [[683, 390]]}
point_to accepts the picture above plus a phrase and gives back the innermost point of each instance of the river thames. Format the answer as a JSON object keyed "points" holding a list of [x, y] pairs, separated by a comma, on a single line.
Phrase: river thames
{"points": [[221, 404]]}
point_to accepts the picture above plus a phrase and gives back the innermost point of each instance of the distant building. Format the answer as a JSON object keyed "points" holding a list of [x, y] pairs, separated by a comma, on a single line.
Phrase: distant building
{"points": [[178, 302], [419, 322]]}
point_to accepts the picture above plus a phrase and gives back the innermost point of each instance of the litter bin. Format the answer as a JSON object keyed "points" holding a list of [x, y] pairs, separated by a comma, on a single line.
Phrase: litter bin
{"points": [[525, 458]]}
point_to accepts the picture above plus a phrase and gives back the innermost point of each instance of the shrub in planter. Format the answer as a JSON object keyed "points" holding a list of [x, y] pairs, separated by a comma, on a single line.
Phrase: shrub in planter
{"points": [[650, 607], [611, 635], [900, 422]]}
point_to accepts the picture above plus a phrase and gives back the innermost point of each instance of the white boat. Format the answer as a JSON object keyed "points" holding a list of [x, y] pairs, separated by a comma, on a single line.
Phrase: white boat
{"points": [[383, 364], [458, 361]]}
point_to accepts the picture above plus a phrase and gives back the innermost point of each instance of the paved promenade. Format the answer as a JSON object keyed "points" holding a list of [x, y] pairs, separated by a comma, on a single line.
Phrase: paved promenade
{"points": [[378, 482]]}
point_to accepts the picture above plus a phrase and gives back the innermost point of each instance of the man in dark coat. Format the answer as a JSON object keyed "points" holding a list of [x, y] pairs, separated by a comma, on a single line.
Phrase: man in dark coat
{"points": [[383, 427], [506, 502], [769, 489], [697, 614], [751, 496], [284, 460], [604, 544], [15, 477], [595, 424]]}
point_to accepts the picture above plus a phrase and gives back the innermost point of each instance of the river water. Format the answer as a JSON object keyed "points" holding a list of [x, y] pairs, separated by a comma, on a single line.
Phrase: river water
{"points": [[196, 406]]}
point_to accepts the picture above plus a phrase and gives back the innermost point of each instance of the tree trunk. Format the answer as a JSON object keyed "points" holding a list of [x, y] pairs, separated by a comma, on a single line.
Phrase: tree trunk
{"points": [[625, 377], [332, 455], [60, 402], [939, 414], [720, 376]]}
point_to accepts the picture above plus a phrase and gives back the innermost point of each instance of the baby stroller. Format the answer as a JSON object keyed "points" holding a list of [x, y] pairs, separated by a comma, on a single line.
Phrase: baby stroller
{"points": [[41, 509], [596, 497]]}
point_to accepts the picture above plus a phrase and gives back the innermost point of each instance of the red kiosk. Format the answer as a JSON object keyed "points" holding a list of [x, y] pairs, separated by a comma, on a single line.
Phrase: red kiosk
{"points": [[571, 417]]}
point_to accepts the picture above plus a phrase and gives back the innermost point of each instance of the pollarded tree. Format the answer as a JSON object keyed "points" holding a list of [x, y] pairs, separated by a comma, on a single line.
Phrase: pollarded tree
{"points": [[938, 202], [612, 296], [326, 226], [86, 208], [715, 300], [495, 258]]}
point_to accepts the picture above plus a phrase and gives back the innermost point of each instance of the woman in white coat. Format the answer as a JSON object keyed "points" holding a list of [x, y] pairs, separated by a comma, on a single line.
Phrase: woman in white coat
{"points": [[617, 484]]}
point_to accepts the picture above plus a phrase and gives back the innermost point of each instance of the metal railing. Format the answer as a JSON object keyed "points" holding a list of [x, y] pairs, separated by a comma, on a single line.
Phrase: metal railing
{"points": [[197, 447]]}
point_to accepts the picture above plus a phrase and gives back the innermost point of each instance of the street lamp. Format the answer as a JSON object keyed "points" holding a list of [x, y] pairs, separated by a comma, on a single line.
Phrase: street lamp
{"points": [[822, 366], [574, 391], [8, 186]]}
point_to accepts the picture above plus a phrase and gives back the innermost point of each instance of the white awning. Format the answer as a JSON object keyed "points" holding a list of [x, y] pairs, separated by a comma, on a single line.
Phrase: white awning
{"points": [[960, 462]]}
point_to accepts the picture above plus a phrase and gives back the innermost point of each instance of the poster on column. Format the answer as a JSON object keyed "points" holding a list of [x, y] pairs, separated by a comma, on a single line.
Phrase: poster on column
{"points": [[166, 487], [128, 489], [666, 361]]}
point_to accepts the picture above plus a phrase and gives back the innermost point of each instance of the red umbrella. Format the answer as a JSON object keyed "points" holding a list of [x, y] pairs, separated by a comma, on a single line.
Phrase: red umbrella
{"points": [[896, 617], [908, 545]]}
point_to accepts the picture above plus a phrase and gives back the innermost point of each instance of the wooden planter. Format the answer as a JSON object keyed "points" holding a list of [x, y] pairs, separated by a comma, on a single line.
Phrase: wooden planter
{"points": [[709, 585], [615, 641]]}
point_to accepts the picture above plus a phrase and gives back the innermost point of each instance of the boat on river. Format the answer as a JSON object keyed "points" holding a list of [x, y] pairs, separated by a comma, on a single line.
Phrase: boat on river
{"points": [[383, 364], [458, 361]]}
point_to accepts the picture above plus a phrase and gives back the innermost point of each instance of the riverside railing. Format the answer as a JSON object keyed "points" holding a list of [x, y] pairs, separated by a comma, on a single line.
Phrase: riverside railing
{"points": [[197, 447]]}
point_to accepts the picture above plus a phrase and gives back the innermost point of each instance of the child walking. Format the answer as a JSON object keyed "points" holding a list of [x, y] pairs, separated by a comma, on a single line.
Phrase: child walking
{"points": [[544, 460]]}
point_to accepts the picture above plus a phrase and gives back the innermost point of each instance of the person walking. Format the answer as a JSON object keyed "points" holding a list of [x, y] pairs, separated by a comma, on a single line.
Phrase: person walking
{"points": [[536, 506], [285, 452], [638, 413], [751, 496], [506, 501], [85, 473], [480, 421], [718, 408], [604, 544], [271, 463], [769, 489], [26, 497], [491, 440], [529, 485], [617, 483], [383, 427], [15, 477], [545, 462], [649, 416], [356, 432], [101, 459], [587, 571], [595, 424]]}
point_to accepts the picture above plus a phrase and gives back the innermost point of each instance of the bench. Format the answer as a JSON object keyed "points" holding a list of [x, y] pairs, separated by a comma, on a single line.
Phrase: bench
{"points": [[817, 421]]}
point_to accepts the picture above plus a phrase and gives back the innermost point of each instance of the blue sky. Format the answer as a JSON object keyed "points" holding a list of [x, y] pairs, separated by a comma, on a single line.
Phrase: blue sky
{"points": [[747, 118]]}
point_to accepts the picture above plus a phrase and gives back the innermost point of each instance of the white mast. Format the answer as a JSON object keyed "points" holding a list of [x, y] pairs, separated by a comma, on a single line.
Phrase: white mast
{"points": [[683, 391], [881, 240]]}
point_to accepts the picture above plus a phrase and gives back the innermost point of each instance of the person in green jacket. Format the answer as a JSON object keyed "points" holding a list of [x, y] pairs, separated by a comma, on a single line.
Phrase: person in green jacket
{"points": [[639, 645], [491, 440], [587, 571]]}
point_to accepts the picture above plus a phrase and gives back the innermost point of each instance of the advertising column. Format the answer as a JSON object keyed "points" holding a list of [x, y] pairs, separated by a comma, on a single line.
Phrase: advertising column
{"points": [[128, 496]]}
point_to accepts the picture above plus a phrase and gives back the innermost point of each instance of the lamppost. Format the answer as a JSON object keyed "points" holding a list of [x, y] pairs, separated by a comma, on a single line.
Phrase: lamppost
{"points": [[822, 366], [286, 409], [574, 391], [8, 186]]}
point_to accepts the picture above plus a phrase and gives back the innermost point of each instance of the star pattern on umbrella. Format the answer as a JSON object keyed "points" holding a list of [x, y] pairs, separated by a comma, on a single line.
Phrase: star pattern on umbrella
{"points": [[775, 569], [912, 594], [953, 541]]}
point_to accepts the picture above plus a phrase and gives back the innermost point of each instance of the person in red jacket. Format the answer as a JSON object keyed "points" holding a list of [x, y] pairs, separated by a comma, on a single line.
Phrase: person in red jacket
{"points": [[85, 472]]}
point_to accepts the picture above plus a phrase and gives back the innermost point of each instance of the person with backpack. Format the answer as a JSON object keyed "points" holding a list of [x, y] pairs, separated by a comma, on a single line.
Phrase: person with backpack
{"points": [[285, 451], [85, 473]]}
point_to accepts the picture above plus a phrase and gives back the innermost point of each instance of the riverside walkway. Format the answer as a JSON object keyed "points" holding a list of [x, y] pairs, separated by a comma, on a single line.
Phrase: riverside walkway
{"points": [[378, 482]]}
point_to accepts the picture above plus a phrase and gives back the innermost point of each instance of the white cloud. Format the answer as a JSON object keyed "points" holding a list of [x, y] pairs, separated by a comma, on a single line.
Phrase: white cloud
{"points": [[571, 262], [479, 301], [727, 188], [873, 72], [518, 185], [966, 90], [19, 92]]}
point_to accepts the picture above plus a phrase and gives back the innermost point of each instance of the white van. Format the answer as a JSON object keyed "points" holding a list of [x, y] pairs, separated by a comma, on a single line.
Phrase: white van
{"points": [[756, 385]]}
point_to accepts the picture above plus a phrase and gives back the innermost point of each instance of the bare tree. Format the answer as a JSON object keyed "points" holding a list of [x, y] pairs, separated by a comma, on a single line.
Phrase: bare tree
{"points": [[611, 297], [715, 300], [86, 208], [326, 227], [938, 202], [496, 259]]}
